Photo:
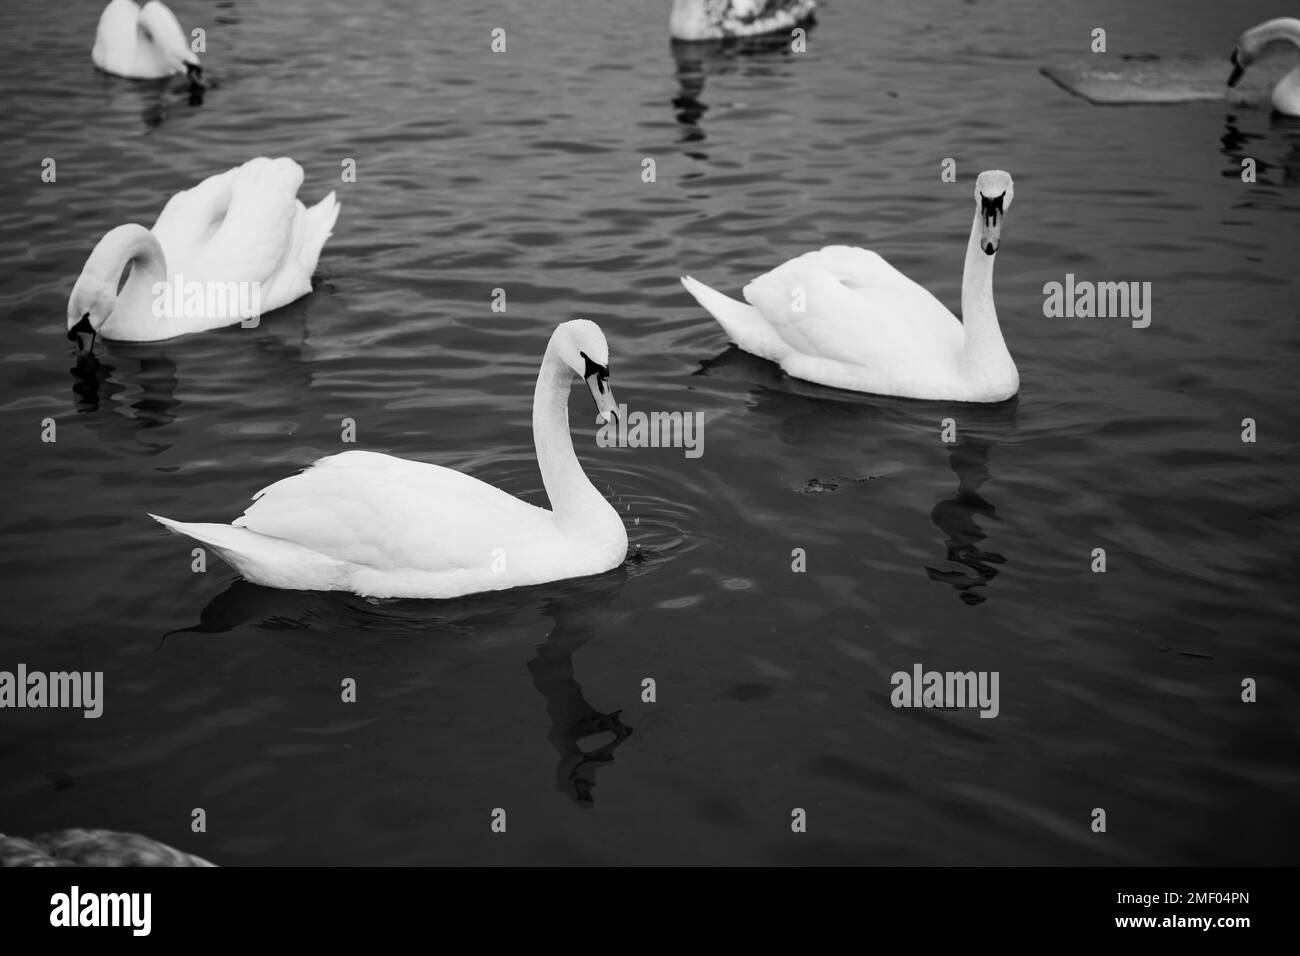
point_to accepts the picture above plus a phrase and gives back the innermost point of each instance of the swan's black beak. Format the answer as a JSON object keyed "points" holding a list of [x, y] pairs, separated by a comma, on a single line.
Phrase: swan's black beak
{"points": [[83, 334], [597, 379], [990, 223], [1237, 69], [195, 74]]}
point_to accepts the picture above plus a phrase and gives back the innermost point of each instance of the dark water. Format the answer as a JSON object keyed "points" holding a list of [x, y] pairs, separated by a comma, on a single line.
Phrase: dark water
{"points": [[476, 171]]}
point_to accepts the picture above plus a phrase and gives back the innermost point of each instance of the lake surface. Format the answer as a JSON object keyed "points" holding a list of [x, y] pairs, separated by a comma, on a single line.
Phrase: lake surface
{"points": [[522, 171]]}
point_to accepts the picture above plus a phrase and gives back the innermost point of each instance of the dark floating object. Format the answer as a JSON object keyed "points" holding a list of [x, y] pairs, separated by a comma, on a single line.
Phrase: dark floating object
{"points": [[819, 486]]}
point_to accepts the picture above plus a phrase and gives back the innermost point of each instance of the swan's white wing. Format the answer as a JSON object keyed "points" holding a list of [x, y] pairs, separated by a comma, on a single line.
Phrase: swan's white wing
{"points": [[857, 309], [247, 225], [389, 513], [193, 216], [166, 41], [116, 37], [257, 235]]}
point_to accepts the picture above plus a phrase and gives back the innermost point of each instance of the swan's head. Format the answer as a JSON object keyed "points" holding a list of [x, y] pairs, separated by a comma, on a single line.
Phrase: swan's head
{"points": [[159, 27], [116, 257], [1251, 44], [1243, 55], [95, 292], [582, 346], [994, 191]]}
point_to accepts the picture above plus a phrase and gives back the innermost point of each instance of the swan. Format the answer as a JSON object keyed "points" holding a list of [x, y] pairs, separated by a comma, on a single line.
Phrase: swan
{"points": [[235, 246], [720, 19], [386, 527], [92, 848], [143, 43], [845, 317], [1286, 95]]}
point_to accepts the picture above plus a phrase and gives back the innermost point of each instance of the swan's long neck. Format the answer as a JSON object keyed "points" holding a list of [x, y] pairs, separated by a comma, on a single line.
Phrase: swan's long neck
{"points": [[1282, 28], [984, 347], [133, 305], [574, 500]]}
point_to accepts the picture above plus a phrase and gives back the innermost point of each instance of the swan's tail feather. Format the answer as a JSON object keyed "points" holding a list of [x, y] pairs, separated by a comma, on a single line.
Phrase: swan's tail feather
{"points": [[744, 324], [319, 227], [261, 558]]}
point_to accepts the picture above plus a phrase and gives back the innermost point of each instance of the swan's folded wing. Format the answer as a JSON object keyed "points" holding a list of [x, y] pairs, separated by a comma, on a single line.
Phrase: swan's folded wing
{"points": [[389, 513], [851, 306], [256, 236], [192, 216]]}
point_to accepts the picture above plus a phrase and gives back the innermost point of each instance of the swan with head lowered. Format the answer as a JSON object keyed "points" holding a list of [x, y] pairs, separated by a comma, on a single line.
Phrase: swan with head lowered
{"points": [[1251, 45], [237, 245], [387, 527], [723, 19], [143, 43], [846, 318]]}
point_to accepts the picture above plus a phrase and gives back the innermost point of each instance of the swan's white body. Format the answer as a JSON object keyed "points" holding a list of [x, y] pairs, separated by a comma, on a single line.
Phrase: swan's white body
{"points": [[245, 226], [720, 19], [143, 43], [846, 318], [92, 848], [386, 527], [1251, 44]]}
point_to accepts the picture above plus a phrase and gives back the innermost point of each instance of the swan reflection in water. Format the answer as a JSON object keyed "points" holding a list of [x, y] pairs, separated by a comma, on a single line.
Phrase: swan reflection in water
{"points": [[979, 431], [801, 407], [159, 98], [1272, 150], [758, 56], [584, 736], [137, 381]]}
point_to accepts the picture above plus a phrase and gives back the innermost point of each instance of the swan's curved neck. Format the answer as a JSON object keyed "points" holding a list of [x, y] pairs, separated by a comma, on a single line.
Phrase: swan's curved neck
{"points": [[984, 345], [137, 246], [1282, 28], [574, 500]]}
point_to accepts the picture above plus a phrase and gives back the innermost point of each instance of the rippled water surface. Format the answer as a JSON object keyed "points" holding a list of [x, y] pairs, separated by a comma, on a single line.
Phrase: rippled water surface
{"points": [[522, 171]]}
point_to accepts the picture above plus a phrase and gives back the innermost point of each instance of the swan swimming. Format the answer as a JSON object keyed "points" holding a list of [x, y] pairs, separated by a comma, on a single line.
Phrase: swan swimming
{"points": [[846, 318], [1251, 44], [143, 43], [92, 848], [386, 527], [241, 230], [720, 19]]}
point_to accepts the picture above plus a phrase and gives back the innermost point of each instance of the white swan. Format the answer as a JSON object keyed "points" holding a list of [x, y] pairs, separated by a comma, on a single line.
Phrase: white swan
{"points": [[845, 317], [92, 848], [1251, 44], [386, 527], [720, 19], [238, 244], [142, 43]]}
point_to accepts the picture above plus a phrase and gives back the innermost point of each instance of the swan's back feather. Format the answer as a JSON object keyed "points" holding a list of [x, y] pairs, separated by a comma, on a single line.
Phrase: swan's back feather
{"points": [[387, 513], [141, 42], [247, 225], [856, 308], [92, 848]]}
